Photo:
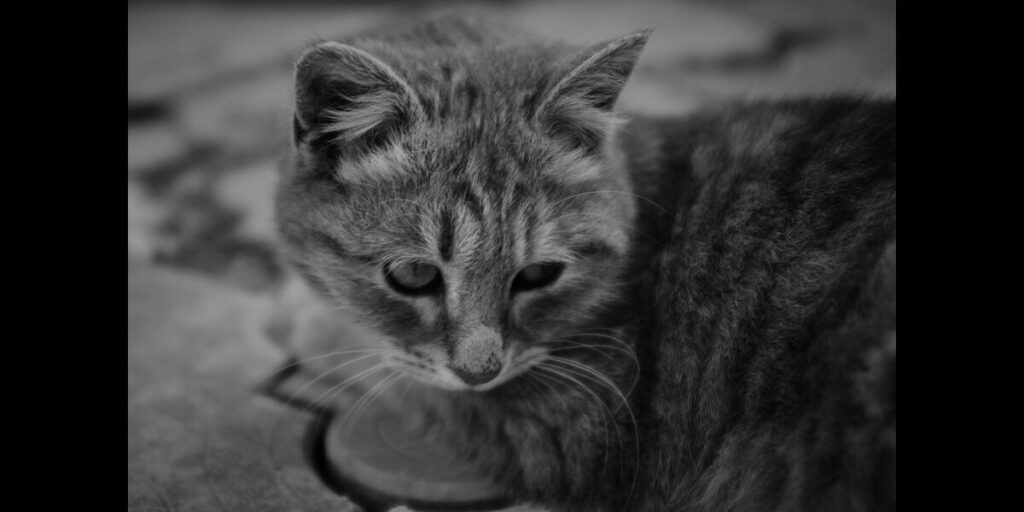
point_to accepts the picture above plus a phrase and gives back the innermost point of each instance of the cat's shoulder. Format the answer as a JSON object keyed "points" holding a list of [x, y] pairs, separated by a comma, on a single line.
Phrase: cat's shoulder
{"points": [[799, 127], [776, 141]]}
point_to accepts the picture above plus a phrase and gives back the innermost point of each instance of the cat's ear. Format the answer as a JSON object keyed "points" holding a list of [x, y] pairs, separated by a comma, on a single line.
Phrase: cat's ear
{"points": [[580, 105], [349, 97]]}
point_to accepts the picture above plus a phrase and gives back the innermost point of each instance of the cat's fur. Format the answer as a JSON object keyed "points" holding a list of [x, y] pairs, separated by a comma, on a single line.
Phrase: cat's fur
{"points": [[746, 255]]}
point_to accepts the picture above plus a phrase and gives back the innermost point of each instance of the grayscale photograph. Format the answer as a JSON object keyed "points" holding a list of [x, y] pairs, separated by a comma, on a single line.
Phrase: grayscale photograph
{"points": [[519, 256]]}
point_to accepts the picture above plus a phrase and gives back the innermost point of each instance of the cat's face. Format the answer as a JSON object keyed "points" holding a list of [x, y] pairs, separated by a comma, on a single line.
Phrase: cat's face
{"points": [[467, 242]]}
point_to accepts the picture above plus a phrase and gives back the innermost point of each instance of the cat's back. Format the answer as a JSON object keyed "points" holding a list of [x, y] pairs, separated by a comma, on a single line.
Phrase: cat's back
{"points": [[793, 142], [774, 352]]}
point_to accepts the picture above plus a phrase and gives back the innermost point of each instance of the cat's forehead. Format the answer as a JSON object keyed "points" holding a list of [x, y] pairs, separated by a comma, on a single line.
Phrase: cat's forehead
{"points": [[484, 181], [505, 155], [479, 215], [453, 83], [471, 225], [456, 93]]}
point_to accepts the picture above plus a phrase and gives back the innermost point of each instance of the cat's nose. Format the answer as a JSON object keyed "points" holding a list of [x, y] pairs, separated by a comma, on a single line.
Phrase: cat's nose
{"points": [[475, 378], [476, 358]]}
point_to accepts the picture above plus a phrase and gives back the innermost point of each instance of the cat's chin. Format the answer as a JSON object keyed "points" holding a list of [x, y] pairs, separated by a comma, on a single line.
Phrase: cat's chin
{"points": [[512, 369], [509, 373], [515, 363], [453, 383], [462, 387]]}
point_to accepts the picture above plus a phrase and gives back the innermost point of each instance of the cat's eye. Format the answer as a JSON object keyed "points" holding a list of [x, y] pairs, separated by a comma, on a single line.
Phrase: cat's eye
{"points": [[413, 278], [536, 276]]}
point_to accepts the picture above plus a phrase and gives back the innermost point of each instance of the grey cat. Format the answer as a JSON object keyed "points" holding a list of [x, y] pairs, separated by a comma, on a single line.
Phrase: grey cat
{"points": [[656, 314]]}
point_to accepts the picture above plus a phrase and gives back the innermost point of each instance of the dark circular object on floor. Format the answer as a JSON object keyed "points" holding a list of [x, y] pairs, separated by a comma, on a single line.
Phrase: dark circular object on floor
{"points": [[390, 457]]}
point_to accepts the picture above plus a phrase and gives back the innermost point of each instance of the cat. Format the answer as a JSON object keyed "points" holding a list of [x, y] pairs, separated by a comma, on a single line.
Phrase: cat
{"points": [[693, 314]]}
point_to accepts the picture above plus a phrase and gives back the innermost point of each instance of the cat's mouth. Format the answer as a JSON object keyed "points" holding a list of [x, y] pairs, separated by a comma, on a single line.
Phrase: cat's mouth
{"points": [[443, 376], [515, 366]]}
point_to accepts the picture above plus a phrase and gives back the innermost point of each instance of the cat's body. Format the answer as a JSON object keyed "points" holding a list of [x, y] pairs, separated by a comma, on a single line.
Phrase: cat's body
{"points": [[746, 256], [773, 377]]}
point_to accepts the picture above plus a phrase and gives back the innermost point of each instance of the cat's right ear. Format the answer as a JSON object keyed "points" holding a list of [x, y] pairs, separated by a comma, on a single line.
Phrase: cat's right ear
{"points": [[579, 107], [346, 97]]}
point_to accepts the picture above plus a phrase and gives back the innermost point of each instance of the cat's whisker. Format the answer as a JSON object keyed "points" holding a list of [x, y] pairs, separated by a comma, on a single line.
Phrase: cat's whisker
{"points": [[611, 386], [275, 431], [401, 398], [628, 352], [600, 377], [618, 346], [609, 333], [565, 374], [554, 373], [622, 346], [625, 345], [606, 418], [602, 332], [597, 348], [329, 354], [528, 378], [355, 406], [368, 397], [323, 374], [578, 346], [606, 414], [337, 389]]}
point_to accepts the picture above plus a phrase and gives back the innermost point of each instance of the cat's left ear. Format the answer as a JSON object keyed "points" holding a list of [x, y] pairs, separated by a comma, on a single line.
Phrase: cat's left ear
{"points": [[580, 105], [350, 95]]}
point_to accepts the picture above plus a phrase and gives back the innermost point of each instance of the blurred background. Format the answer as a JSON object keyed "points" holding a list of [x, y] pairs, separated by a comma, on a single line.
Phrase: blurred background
{"points": [[209, 111], [209, 93]]}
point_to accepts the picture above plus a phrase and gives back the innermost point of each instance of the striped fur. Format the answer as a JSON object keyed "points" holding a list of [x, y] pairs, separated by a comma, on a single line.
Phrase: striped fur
{"points": [[443, 151], [723, 335]]}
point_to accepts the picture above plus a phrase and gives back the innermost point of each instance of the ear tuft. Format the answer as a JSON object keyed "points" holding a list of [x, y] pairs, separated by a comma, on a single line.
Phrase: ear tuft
{"points": [[350, 96], [580, 107]]}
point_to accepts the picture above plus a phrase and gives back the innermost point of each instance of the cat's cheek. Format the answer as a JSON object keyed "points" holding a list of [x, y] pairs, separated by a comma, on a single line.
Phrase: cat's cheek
{"points": [[571, 301], [538, 313], [431, 312], [394, 317]]}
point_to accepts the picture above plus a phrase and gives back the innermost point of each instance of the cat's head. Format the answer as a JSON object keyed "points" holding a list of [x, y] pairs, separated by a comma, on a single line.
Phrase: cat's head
{"points": [[463, 203]]}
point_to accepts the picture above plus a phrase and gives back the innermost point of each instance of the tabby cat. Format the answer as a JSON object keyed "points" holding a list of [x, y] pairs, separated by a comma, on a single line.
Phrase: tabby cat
{"points": [[693, 314]]}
